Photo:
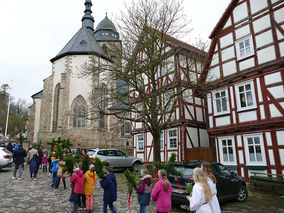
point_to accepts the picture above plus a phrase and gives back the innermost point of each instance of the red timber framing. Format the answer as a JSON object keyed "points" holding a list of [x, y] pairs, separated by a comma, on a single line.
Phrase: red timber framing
{"points": [[264, 73], [189, 114]]}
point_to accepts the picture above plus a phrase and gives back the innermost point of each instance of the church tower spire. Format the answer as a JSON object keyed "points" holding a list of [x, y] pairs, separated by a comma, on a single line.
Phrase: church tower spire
{"points": [[88, 19]]}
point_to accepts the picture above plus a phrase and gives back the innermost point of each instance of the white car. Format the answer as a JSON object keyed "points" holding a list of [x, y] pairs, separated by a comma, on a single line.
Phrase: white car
{"points": [[6, 158], [116, 158]]}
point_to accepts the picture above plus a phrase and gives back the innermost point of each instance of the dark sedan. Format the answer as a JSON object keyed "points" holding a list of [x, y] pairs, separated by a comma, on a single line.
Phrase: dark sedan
{"points": [[229, 184]]}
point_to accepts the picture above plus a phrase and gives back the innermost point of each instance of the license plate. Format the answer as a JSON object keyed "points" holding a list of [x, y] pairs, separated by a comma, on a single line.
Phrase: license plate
{"points": [[177, 190]]}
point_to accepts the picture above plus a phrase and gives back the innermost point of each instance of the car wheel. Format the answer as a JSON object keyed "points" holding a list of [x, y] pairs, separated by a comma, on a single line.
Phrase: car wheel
{"points": [[243, 194], [135, 167]]}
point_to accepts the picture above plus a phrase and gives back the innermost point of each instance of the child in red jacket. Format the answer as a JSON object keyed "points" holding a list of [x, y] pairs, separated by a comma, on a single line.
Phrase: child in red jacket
{"points": [[78, 180]]}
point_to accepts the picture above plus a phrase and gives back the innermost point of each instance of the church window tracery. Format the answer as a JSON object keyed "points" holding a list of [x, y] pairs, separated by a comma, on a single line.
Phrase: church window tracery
{"points": [[79, 113]]}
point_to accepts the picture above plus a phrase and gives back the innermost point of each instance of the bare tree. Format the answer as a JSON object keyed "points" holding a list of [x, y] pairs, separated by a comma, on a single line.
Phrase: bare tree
{"points": [[139, 69]]}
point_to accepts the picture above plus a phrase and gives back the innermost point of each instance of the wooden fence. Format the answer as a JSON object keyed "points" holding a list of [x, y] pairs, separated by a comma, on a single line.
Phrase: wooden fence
{"points": [[200, 153]]}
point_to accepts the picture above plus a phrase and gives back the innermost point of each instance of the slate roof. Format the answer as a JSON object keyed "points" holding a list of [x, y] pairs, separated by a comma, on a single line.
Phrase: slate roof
{"points": [[106, 24], [106, 31], [37, 95], [82, 43]]}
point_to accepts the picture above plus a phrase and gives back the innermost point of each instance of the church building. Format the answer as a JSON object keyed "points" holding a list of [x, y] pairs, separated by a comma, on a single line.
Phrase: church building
{"points": [[62, 108]]}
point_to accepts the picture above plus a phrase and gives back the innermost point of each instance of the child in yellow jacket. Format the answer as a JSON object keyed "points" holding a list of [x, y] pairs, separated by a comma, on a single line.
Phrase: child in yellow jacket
{"points": [[89, 188]]}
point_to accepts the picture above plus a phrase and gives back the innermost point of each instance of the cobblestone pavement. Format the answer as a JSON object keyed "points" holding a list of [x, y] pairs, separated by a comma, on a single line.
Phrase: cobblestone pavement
{"points": [[37, 196]]}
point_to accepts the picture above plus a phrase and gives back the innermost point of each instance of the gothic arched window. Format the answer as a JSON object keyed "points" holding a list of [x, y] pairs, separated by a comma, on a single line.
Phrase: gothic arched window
{"points": [[56, 106], [79, 113]]}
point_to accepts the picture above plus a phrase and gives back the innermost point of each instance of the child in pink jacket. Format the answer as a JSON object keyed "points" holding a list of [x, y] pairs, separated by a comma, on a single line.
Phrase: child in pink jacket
{"points": [[78, 180], [162, 193]]}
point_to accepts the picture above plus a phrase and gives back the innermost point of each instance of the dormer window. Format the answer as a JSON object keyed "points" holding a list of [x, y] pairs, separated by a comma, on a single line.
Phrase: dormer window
{"points": [[244, 48], [83, 43]]}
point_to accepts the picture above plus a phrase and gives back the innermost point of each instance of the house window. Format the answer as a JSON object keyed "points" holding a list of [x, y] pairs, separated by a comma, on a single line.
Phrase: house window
{"points": [[139, 110], [244, 48], [127, 127], [245, 96], [162, 141], [254, 149], [79, 114], [227, 150], [140, 142], [172, 138], [221, 101]]}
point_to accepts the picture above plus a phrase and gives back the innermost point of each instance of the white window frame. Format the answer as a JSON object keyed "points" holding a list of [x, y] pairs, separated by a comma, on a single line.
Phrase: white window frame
{"points": [[215, 101], [237, 46], [162, 141], [239, 107], [248, 161], [234, 162], [140, 141], [171, 137]]}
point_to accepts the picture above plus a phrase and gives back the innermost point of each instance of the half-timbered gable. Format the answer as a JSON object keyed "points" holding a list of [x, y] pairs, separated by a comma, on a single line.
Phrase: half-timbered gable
{"points": [[187, 128], [244, 71]]}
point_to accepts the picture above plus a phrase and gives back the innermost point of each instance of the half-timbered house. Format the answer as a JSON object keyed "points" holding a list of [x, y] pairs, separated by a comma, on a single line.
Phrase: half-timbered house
{"points": [[246, 109], [187, 128]]}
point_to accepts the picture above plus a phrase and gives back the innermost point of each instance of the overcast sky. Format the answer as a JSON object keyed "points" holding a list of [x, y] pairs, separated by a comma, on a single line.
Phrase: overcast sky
{"points": [[34, 31]]}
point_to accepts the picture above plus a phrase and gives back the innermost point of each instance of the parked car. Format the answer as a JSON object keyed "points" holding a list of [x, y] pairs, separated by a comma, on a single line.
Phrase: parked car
{"points": [[116, 158], [229, 184], [6, 158]]}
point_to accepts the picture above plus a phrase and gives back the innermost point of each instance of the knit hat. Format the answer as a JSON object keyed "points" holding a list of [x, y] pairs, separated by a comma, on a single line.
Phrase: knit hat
{"points": [[91, 166]]}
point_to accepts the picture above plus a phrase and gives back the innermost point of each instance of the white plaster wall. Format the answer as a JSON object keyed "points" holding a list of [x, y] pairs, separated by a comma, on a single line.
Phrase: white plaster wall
{"points": [[277, 91], [242, 172], [246, 64], [279, 34], [37, 119], [262, 113], [281, 154], [222, 121], [232, 99], [272, 78], [281, 46], [259, 92], [213, 74], [241, 156], [274, 112], [268, 138], [239, 141], [247, 116], [226, 40], [266, 54], [273, 1], [193, 135], [243, 31], [79, 86], [264, 39], [240, 12], [199, 114], [271, 157], [234, 117], [138, 125], [228, 53], [229, 68], [140, 155], [279, 15], [261, 24], [204, 138], [280, 137], [210, 121], [228, 23], [209, 103], [251, 172], [215, 59], [151, 155], [257, 5], [150, 138]]}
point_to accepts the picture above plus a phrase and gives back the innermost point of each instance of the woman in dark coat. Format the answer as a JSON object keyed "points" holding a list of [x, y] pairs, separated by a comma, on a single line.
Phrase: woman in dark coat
{"points": [[34, 163]]}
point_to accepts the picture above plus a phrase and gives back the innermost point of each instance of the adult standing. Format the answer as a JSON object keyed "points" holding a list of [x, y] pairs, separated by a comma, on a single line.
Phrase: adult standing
{"points": [[10, 146], [109, 185], [31, 153], [19, 156]]}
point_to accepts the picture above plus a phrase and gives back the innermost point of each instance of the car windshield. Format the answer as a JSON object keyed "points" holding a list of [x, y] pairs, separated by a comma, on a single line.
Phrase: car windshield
{"points": [[187, 171], [90, 153]]}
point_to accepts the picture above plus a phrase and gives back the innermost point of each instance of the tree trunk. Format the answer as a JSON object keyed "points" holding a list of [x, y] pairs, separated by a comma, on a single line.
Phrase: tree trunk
{"points": [[157, 151]]}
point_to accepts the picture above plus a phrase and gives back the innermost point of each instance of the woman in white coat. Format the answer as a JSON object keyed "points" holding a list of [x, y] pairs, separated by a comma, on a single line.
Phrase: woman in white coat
{"points": [[201, 193], [214, 204]]}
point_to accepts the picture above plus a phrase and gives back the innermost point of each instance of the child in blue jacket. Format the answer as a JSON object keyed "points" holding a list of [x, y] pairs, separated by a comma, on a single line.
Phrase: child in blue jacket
{"points": [[54, 171], [34, 164]]}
